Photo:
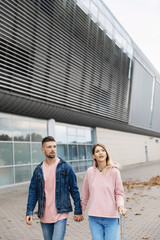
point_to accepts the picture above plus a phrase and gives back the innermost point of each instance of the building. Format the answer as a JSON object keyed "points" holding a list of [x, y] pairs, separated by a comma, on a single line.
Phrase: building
{"points": [[69, 69]]}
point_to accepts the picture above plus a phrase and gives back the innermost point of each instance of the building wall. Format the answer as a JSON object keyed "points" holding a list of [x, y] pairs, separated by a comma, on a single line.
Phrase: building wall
{"points": [[141, 106], [145, 98], [128, 148], [75, 60], [56, 44]]}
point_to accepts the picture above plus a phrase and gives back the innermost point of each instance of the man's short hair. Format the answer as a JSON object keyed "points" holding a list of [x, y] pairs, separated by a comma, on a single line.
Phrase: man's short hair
{"points": [[48, 139]]}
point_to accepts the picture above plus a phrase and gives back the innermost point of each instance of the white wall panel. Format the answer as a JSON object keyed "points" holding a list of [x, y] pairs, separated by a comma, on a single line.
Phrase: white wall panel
{"points": [[128, 148]]}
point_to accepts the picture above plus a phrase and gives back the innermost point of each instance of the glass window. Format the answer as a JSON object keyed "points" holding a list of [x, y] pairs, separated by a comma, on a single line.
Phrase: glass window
{"points": [[82, 166], [72, 138], [102, 18], [71, 131], [22, 153], [88, 135], [73, 152], [61, 134], [5, 131], [118, 38], [75, 166], [80, 131], [38, 130], [6, 154], [6, 176], [22, 174], [94, 10], [89, 151], [81, 139], [21, 129], [80, 135], [82, 151], [90, 163], [33, 167], [37, 154], [62, 151], [109, 28], [83, 2]]}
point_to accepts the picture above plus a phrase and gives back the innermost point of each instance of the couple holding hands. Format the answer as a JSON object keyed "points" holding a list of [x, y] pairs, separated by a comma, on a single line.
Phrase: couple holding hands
{"points": [[53, 182]]}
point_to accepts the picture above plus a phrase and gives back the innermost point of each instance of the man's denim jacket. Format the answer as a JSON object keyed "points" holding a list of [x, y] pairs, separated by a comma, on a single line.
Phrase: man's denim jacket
{"points": [[66, 184]]}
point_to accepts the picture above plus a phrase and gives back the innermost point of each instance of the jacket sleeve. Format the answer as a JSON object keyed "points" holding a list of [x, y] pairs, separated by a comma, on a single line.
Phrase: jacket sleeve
{"points": [[85, 193], [119, 190], [74, 191], [32, 196]]}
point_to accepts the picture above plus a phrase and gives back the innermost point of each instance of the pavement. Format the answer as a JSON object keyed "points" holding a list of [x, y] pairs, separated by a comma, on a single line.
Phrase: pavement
{"points": [[141, 199]]}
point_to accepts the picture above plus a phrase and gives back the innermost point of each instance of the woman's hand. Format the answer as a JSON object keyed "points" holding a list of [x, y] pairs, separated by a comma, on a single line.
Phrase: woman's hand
{"points": [[78, 218], [122, 210]]}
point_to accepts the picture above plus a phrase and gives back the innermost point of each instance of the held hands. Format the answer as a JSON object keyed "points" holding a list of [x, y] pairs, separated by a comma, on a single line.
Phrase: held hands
{"points": [[122, 210], [78, 218]]}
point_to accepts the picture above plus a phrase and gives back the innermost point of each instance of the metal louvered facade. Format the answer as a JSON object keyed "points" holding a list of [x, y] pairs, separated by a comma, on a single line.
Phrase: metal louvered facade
{"points": [[56, 52]]}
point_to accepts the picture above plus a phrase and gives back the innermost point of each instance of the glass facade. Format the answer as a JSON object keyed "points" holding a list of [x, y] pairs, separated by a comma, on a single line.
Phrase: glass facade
{"points": [[20, 147], [74, 144]]}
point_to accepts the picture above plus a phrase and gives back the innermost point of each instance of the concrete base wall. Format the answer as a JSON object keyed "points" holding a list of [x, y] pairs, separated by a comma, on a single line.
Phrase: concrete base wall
{"points": [[128, 148]]}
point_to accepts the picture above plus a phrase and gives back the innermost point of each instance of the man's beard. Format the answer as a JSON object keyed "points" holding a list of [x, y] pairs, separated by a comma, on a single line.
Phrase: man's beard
{"points": [[51, 156]]}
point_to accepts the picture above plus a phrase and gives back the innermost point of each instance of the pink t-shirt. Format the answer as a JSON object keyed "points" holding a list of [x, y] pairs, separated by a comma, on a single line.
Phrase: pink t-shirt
{"points": [[50, 214], [104, 193]]}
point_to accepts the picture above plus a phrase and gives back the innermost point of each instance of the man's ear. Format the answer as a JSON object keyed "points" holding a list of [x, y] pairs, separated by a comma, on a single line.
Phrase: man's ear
{"points": [[42, 148]]}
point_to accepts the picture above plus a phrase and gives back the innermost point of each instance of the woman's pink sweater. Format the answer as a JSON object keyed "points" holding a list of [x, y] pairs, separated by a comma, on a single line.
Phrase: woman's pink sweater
{"points": [[104, 193]]}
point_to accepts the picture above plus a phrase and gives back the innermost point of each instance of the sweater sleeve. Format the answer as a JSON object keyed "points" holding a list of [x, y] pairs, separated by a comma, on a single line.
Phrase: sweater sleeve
{"points": [[85, 193], [119, 190]]}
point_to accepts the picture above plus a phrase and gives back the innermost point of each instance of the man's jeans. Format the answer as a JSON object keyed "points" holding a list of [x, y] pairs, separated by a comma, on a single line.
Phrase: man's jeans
{"points": [[54, 231], [104, 228]]}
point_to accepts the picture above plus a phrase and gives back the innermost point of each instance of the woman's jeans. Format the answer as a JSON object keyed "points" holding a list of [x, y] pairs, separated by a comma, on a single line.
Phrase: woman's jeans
{"points": [[54, 231], [104, 228]]}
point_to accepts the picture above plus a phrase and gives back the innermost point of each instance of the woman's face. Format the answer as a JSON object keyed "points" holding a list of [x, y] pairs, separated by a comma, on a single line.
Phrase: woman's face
{"points": [[100, 154]]}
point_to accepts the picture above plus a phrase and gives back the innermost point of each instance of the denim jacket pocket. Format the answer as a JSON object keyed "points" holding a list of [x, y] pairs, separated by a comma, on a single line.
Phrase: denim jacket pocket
{"points": [[65, 172]]}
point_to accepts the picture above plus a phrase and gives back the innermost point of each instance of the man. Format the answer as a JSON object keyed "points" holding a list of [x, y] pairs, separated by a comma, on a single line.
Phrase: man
{"points": [[52, 183]]}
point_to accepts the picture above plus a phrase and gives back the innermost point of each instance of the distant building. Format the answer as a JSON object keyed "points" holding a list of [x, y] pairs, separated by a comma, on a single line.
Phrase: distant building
{"points": [[70, 70]]}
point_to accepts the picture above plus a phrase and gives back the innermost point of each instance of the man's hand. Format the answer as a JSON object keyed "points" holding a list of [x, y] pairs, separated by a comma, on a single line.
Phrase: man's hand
{"points": [[78, 218], [29, 220]]}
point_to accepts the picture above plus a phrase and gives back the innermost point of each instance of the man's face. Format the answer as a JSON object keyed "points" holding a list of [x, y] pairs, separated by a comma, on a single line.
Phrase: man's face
{"points": [[49, 149]]}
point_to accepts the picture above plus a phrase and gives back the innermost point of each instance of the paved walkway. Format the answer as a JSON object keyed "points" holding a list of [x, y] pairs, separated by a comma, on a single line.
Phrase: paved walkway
{"points": [[142, 202]]}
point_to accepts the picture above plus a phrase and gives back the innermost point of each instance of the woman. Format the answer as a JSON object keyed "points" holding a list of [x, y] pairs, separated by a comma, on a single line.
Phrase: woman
{"points": [[104, 189]]}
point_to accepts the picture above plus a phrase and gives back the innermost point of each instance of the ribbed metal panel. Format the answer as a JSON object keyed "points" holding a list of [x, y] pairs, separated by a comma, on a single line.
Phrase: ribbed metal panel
{"points": [[53, 51], [156, 108], [42, 109], [141, 96]]}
